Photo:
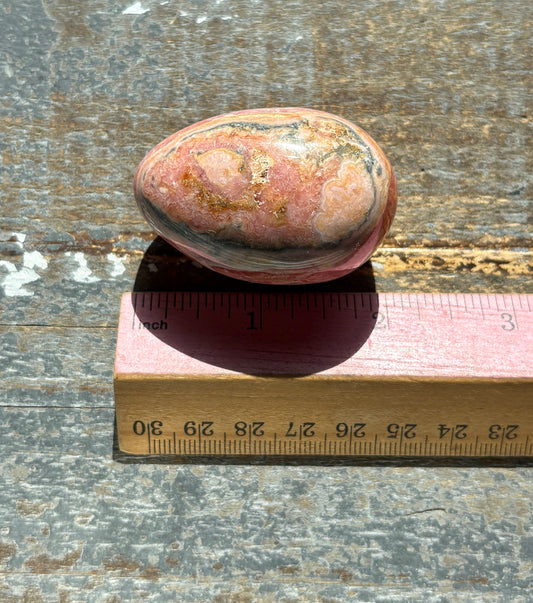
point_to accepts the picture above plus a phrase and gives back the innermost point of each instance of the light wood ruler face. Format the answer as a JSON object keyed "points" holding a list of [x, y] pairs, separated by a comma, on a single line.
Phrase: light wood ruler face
{"points": [[325, 374]]}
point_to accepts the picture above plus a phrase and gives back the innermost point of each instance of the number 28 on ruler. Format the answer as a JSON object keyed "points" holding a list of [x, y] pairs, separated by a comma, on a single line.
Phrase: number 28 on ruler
{"points": [[309, 437]]}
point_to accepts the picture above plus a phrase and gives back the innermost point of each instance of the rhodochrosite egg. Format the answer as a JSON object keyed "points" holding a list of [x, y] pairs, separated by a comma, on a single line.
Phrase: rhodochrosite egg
{"points": [[279, 196]]}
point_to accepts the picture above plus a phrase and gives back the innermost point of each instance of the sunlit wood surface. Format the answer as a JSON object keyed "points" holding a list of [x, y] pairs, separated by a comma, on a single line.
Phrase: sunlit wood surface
{"points": [[87, 88]]}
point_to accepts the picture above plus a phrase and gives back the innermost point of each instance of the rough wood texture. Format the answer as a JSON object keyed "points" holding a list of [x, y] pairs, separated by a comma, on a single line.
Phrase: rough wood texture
{"points": [[88, 88]]}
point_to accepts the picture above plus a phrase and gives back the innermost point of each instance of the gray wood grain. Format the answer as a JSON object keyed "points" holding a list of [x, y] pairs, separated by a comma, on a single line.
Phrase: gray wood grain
{"points": [[274, 532], [87, 89], [51, 284]]}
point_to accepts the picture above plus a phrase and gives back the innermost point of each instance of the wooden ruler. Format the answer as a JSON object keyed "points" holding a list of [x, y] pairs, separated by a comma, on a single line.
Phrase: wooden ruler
{"points": [[325, 374]]}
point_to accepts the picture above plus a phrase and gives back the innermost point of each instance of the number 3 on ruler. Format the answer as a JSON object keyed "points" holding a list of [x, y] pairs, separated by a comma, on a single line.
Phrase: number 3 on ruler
{"points": [[508, 324]]}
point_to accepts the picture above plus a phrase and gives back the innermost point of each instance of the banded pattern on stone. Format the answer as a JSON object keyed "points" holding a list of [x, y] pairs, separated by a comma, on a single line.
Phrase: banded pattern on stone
{"points": [[284, 195]]}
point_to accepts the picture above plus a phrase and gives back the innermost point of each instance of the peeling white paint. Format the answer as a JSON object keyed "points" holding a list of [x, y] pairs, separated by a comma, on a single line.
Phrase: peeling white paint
{"points": [[7, 236], [16, 239], [117, 264], [135, 9], [82, 274], [15, 280], [34, 259], [201, 19]]}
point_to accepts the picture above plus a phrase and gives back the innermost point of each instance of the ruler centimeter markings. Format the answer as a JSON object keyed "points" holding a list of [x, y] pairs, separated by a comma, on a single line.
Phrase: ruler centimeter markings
{"points": [[325, 374]]}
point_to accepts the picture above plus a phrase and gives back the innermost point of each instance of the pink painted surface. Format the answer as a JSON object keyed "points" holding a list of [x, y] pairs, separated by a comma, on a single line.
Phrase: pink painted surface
{"points": [[336, 334]]}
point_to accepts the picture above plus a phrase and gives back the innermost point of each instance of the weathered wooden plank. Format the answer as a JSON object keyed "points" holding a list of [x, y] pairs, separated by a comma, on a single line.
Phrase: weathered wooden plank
{"points": [[67, 587], [78, 284], [82, 289], [57, 366], [423, 219], [87, 89], [58, 431], [433, 51], [71, 516], [450, 109], [472, 171]]}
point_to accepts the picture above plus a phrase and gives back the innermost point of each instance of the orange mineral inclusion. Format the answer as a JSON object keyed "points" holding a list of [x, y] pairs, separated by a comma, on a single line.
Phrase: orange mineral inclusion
{"points": [[280, 196]]}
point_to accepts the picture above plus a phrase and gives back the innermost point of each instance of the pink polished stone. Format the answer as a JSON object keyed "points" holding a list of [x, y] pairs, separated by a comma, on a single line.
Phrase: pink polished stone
{"points": [[279, 196]]}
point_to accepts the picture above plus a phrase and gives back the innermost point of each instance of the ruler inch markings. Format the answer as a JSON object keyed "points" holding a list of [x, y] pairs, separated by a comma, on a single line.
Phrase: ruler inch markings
{"points": [[515, 314], [454, 362]]}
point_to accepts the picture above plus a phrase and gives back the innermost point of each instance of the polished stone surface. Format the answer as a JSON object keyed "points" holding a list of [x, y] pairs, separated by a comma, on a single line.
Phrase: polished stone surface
{"points": [[283, 195]]}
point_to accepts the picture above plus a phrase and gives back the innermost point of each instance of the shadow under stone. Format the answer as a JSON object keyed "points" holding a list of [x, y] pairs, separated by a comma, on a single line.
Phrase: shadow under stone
{"points": [[252, 328]]}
